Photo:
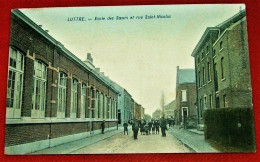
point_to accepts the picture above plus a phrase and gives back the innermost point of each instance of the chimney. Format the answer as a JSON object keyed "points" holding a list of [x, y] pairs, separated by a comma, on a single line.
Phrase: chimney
{"points": [[98, 70]]}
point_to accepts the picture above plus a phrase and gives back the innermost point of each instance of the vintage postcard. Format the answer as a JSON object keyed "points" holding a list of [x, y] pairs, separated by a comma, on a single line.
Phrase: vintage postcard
{"points": [[129, 79]]}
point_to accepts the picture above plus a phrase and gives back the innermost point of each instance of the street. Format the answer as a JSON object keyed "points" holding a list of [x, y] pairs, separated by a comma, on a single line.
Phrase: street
{"points": [[120, 143]]}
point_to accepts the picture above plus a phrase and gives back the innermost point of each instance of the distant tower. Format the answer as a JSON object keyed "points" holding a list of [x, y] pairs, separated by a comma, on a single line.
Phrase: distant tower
{"points": [[162, 104]]}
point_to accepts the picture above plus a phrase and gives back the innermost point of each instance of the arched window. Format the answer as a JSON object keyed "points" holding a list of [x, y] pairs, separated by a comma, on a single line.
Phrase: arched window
{"points": [[39, 90], [74, 98], [62, 94], [15, 83], [83, 100]]}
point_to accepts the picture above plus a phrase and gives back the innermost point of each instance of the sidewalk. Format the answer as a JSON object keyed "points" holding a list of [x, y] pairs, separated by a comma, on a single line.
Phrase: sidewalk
{"points": [[67, 148], [193, 139]]}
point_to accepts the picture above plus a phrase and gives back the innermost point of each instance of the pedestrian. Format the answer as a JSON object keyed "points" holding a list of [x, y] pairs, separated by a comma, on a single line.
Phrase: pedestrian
{"points": [[157, 126], [150, 124], [146, 129], [135, 129], [125, 128], [163, 127], [102, 126], [153, 127]]}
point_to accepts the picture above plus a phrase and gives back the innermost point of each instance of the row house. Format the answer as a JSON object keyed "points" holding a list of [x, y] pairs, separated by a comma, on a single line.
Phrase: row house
{"points": [[186, 112], [52, 96], [222, 66]]}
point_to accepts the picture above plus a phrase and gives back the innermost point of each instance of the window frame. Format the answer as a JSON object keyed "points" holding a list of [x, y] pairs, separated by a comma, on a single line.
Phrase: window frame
{"points": [[184, 93], [15, 110], [74, 98], [38, 79], [62, 90]]}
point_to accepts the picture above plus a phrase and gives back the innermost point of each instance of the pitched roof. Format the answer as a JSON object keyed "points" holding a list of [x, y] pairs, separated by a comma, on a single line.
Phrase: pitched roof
{"points": [[170, 106], [185, 76], [220, 27]]}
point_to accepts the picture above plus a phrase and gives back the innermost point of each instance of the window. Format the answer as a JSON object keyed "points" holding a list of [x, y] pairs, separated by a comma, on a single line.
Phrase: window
{"points": [[199, 80], [198, 60], [39, 92], [92, 108], [202, 55], [209, 74], [205, 102], [83, 100], [62, 94], [105, 107], [220, 45], [214, 52], [204, 76], [222, 67], [97, 105], [201, 108], [224, 100], [15, 84], [74, 98], [183, 95], [207, 49], [210, 101]]}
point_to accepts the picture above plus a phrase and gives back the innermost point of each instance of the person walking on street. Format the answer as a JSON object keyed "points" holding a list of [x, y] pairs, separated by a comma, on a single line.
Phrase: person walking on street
{"points": [[125, 128], [163, 127], [135, 128], [103, 126], [157, 126], [150, 124]]}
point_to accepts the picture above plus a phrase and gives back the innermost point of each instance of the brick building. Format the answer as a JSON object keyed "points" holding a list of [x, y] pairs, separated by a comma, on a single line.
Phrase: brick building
{"points": [[138, 111], [53, 97], [186, 96], [169, 109], [222, 66]]}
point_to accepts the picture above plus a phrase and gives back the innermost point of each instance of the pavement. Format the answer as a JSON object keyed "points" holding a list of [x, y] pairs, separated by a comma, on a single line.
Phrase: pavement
{"points": [[67, 148], [192, 139]]}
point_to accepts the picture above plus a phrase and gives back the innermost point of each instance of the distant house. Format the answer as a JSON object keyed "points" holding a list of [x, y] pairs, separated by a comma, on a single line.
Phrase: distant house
{"points": [[170, 109], [157, 114], [186, 96], [138, 111]]}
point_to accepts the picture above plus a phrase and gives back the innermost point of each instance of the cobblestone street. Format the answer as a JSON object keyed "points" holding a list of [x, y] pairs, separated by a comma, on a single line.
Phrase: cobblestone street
{"points": [[120, 143]]}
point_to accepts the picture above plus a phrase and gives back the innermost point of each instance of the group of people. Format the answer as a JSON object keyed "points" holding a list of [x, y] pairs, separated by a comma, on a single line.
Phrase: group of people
{"points": [[146, 127]]}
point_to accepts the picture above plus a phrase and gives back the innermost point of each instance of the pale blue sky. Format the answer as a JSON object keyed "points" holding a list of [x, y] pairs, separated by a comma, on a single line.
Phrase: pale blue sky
{"points": [[140, 55]]}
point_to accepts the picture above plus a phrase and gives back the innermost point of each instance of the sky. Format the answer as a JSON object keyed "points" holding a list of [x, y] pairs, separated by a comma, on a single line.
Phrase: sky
{"points": [[141, 55]]}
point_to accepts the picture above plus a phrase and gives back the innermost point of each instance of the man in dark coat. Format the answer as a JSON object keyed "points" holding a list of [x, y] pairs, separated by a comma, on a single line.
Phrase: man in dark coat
{"points": [[157, 126], [150, 124], [125, 128], [135, 129], [103, 126], [163, 126]]}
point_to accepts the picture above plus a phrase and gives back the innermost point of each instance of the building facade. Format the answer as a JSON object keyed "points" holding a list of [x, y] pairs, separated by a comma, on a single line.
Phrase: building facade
{"points": [[186, 97], [222, 66], [169, 109], [157, 114], [138, 111], [52, 96]]}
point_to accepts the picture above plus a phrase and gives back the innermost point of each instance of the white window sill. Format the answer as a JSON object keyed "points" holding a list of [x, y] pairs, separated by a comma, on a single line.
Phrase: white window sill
{"points": [[209, 81], [221, 50], [207, 53], [223, 79]]}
